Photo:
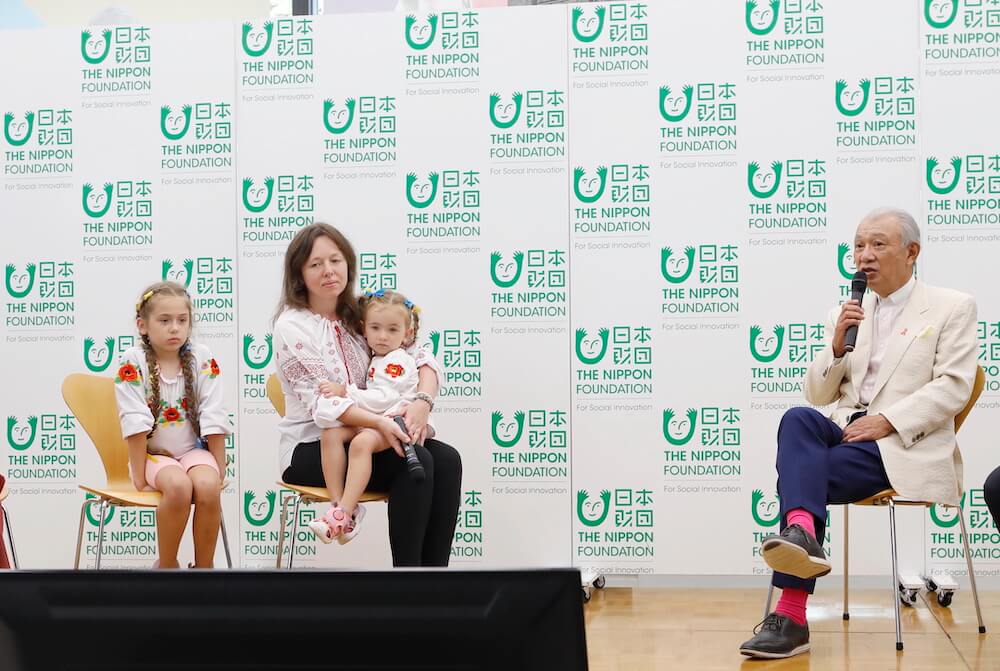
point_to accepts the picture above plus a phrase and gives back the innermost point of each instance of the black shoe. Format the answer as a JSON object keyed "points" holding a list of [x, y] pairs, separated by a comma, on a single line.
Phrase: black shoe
{"points": [[776, 637], [795, 552]]}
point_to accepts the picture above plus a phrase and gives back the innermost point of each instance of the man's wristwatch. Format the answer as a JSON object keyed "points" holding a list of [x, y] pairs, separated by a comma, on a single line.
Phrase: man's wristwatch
{"points": [[424, 396]]}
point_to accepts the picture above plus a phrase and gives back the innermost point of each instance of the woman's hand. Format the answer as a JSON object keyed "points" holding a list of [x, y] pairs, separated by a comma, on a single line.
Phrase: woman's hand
{"points": [[393, 435], [330, 389], [415, 415]]}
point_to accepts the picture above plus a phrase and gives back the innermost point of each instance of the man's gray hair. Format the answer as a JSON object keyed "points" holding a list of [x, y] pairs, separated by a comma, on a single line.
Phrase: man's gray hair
{"points": [[907, 224]]}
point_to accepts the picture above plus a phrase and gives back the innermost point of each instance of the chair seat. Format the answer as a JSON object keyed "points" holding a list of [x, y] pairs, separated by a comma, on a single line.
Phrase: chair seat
{"points": [[879, 499], [126, 497], [321, 494]]}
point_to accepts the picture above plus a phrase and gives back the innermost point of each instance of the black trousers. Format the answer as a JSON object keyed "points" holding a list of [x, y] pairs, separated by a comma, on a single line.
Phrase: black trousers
{"points": [[991, 492], [422, 516]]}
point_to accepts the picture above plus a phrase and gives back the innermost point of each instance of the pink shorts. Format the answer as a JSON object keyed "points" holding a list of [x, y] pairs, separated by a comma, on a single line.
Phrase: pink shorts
{"points": [[196, 457]]}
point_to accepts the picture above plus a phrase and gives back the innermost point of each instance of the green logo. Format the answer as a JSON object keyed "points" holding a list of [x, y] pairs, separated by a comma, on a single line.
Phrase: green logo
{"points": [[943, 516], [94, 51], [506, 275], [16, 435], [434, 338], [422, 36], [942, 180], [257, 356], [505, 115], [257, 199], [94, 520], [338, 121], [21, 130], [848, 103], [19, 285], [679, 431], [589, 190], [258, 513], [761, 20], [845, 261], [97, 203], [592, 513], [589, 29], [675, 108], [506, 434], [591, 350], [940, 13], [175, 126], [765, 512], [669, 267], [767, 349], [169, 273], [97, 360], [763, 185], [257, 42], [421, 195]]}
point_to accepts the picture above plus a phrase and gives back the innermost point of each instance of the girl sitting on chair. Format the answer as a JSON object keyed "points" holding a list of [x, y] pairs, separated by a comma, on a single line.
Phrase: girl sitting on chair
{"points": [[170, 403]]}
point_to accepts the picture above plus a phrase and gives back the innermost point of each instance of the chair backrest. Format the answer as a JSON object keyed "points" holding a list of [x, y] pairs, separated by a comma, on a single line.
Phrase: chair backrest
{"points": [[275, 394], [91, 398], [977, 389]]}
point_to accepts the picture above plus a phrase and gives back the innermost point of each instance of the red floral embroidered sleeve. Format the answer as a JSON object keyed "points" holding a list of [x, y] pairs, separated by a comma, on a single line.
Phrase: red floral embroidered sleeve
{"points": [[130, 393], [301, 368], [213, 414]]}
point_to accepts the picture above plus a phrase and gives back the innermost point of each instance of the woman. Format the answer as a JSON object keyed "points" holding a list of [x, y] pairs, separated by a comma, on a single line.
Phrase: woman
{"points": [[316, 338], [991, 492]]}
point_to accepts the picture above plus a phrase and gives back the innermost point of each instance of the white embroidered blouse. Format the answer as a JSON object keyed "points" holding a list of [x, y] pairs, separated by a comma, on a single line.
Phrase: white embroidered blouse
{"points": [[174, 435], [309, 348]]}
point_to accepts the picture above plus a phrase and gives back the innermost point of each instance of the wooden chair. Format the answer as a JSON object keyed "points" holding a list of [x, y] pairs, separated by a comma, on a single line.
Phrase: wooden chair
{"points": [[6, 521], [889, 498], [299, 493], [91, 398]]}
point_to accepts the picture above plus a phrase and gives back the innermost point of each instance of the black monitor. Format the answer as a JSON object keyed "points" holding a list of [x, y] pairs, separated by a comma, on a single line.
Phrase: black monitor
{"points": [[268, 620]]}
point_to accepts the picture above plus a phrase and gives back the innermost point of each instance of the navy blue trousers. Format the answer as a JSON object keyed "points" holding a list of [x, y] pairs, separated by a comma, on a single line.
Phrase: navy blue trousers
{"points": [[816, 468]]}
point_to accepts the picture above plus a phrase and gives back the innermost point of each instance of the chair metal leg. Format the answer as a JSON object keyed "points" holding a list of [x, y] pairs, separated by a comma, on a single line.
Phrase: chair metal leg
{"points": [[281, 529], [770, 596], [100, 534], [79, 534], [225, 539], [295, 530], [10, 539], [972, 575], [895, 574], [847, 540]]}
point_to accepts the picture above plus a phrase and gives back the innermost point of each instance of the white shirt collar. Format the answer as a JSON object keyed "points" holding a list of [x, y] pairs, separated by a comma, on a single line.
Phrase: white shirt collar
{"points": [[899, 296]]}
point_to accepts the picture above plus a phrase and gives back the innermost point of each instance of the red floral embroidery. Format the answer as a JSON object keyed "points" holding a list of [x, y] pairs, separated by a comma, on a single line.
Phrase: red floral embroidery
{"points": [[215, 368], [371, 373], [184, 404], [211, 368], [128, 373], [171, 414], [394, 370]]}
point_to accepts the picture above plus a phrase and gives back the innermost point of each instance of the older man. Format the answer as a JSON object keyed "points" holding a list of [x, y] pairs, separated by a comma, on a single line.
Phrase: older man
{"points": [[895, 397]]}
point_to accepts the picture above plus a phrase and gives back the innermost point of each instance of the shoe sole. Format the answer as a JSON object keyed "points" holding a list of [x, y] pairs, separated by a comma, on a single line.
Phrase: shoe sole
{"points": [[320, 535], [789, 558], [749, 652]]}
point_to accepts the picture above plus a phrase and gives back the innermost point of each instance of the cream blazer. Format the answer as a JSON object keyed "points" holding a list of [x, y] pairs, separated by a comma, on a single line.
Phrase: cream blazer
{"points": [[925, 379]]}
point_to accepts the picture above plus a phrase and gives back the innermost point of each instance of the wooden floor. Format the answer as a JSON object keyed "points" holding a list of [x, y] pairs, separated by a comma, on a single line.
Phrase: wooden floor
{"points": [[691, 629]]}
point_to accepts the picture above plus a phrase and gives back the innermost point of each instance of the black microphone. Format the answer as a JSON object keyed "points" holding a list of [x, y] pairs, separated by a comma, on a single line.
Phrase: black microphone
{"points": [[413, 464], [858, 287]]}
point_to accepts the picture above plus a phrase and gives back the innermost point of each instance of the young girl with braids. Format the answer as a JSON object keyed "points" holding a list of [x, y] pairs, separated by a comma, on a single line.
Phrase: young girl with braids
{"points": [[170, 403], [389, 322]]}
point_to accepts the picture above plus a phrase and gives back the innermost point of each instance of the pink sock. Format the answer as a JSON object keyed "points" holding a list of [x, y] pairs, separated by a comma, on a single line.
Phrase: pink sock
{"points": [[793, 604], [803, 518]]}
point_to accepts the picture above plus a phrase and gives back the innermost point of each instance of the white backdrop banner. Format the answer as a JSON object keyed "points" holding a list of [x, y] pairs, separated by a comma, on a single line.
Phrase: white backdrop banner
{"points": [[625, 224]]}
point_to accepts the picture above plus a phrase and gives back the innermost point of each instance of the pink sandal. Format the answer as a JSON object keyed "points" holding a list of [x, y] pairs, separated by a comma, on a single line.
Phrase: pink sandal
{"points": [[331, 525]]}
